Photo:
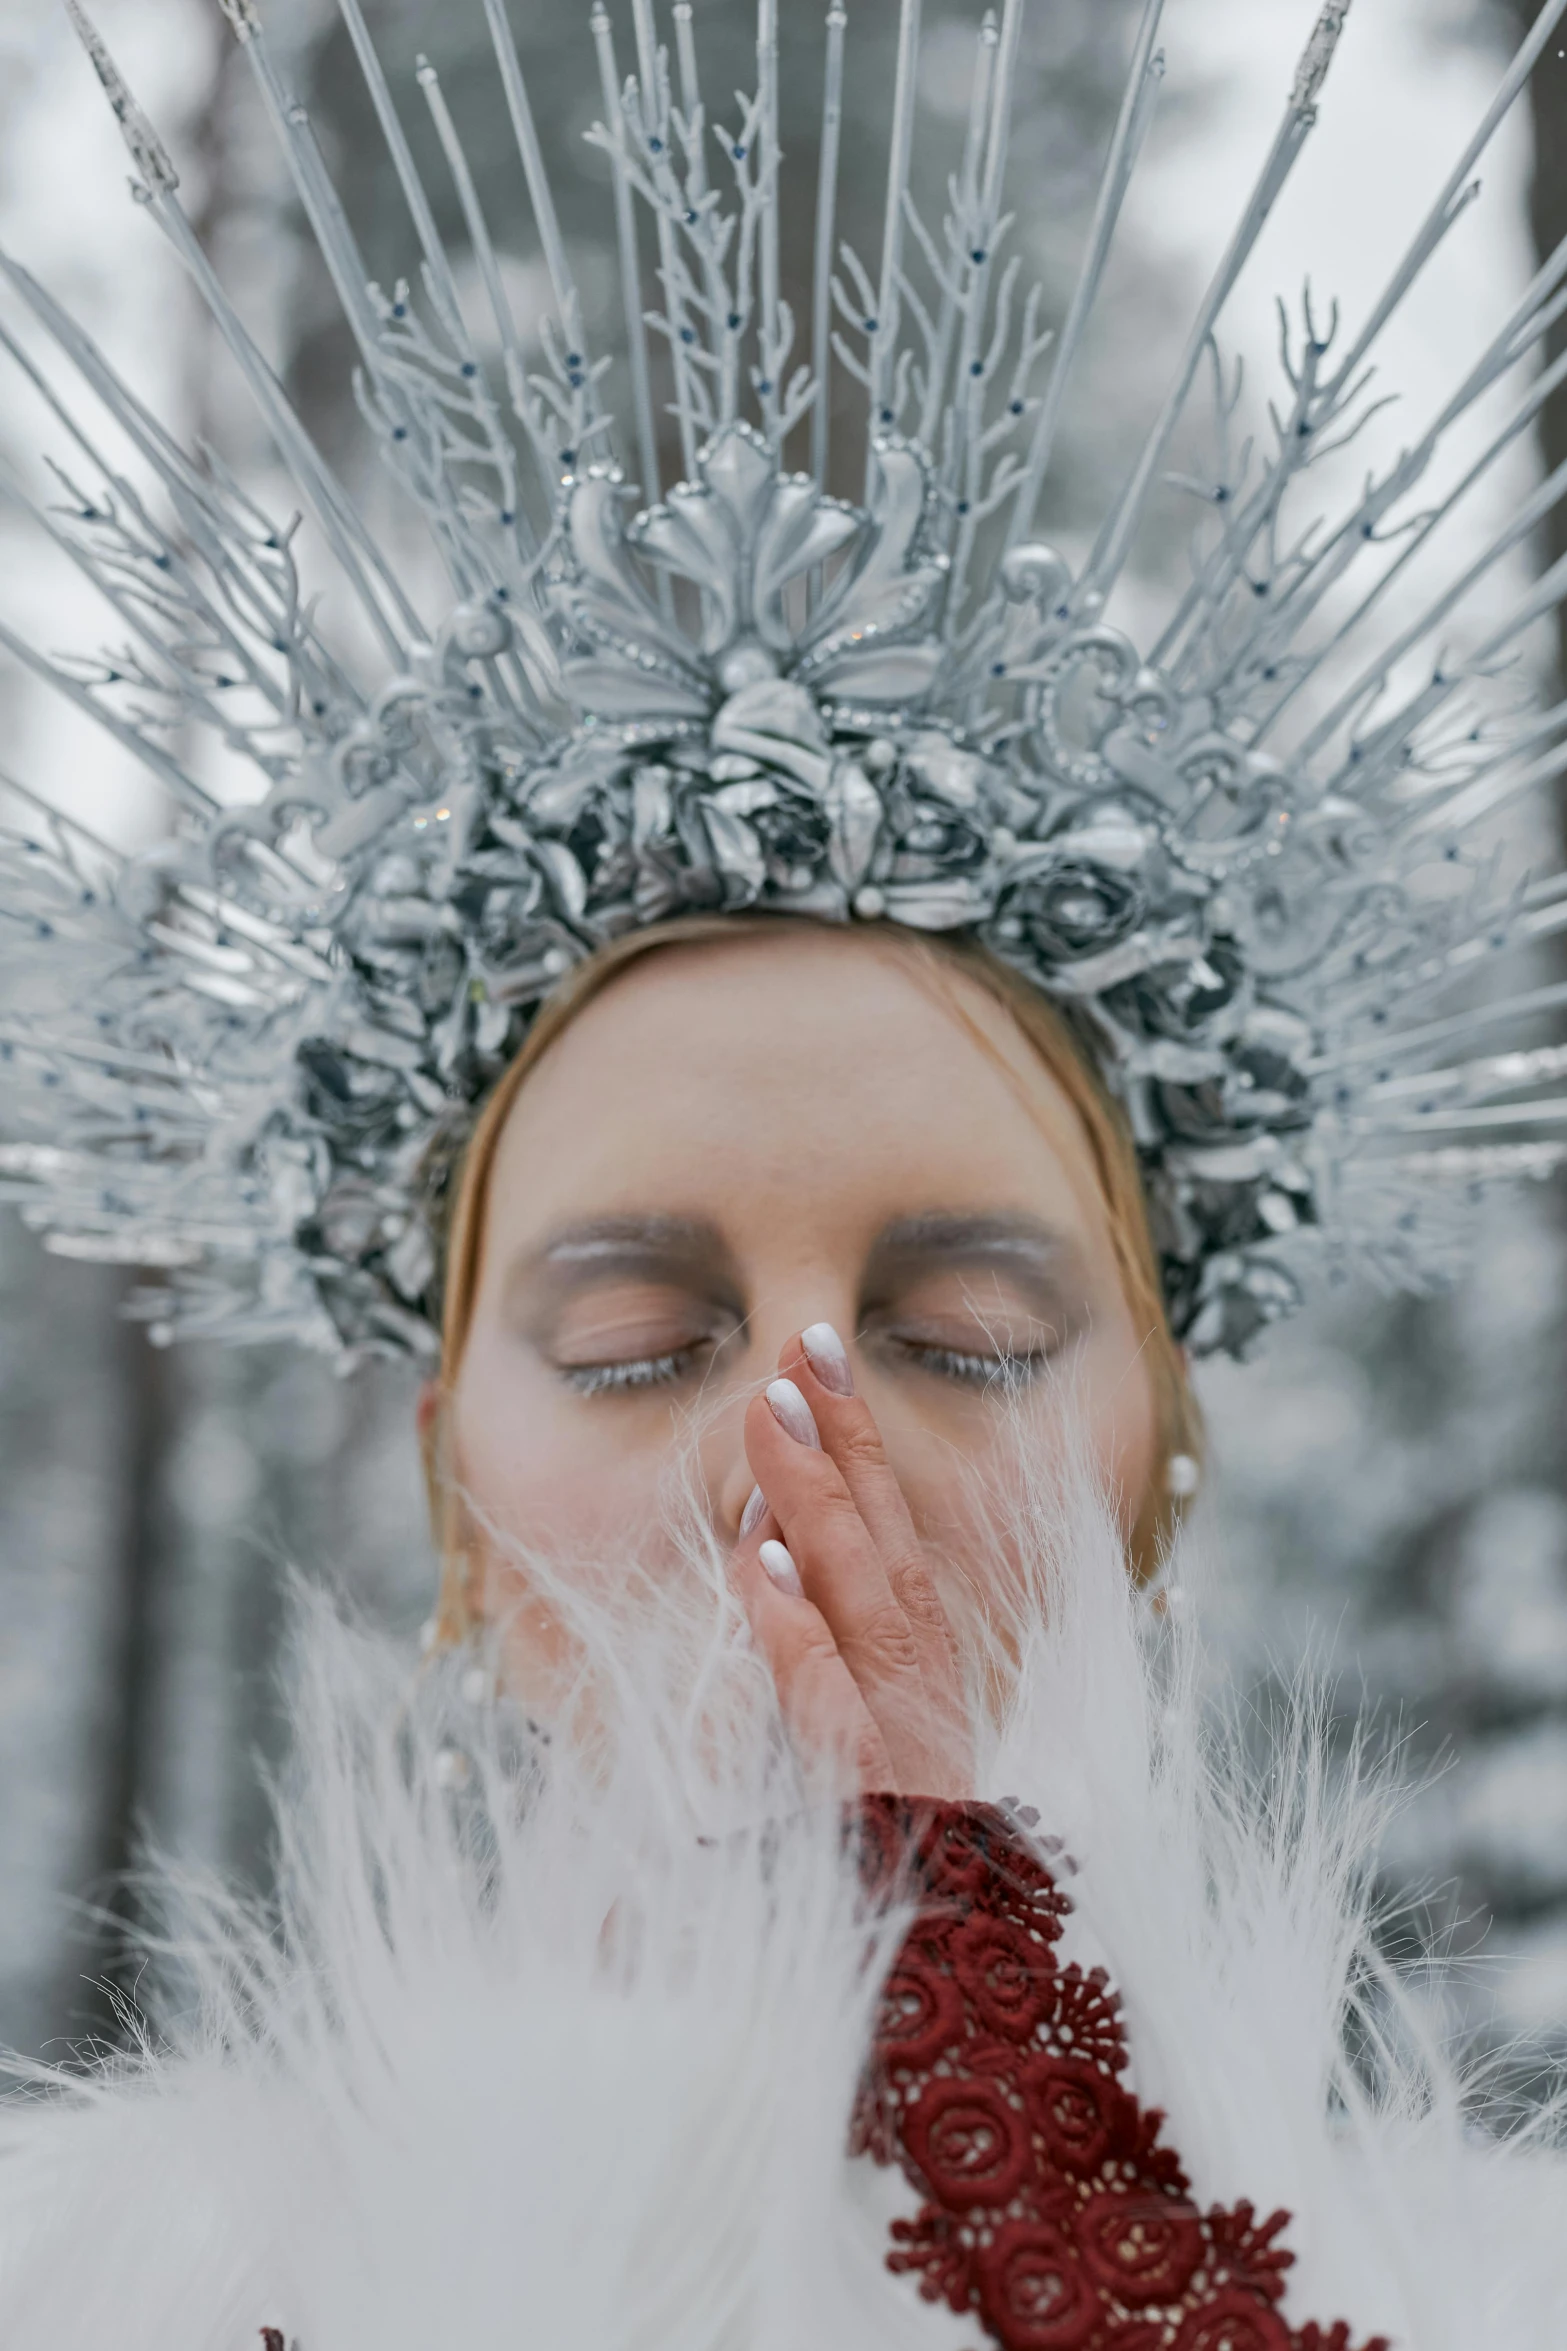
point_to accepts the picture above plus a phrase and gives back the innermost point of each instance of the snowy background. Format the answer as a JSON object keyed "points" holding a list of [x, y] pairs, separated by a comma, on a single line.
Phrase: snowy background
{"points": [[1389, 1483]]}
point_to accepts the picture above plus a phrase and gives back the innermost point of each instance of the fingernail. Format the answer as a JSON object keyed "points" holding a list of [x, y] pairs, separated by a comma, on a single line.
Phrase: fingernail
{"points": [[829, 1358], [781, 1570], [793, 1414], [754, 1513]]}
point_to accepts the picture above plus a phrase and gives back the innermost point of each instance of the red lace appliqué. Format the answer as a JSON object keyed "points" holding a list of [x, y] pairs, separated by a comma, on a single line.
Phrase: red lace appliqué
{"points": [[1051, 2211]]}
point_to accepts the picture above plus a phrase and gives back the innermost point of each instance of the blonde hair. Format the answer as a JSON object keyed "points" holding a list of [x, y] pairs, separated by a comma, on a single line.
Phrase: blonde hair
{"points": [[935, 960]]}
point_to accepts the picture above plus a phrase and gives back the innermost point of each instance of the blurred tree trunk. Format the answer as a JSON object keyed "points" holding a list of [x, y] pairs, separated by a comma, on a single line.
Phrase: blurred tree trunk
{"points": [[1548, 221], [130, 1671], [143, 1582]]}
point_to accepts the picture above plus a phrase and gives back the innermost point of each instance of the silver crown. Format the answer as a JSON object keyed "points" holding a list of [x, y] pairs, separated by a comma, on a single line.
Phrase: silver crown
{"points": [[231, 1057]]}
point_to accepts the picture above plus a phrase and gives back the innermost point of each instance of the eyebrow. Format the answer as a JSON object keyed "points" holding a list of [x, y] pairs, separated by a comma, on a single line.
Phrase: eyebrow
{"points": [[1023, 1244], [693, 1250], [611, 1248]]}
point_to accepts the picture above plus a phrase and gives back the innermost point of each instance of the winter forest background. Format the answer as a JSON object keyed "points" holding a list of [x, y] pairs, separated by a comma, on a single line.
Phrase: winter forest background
{"points": [[1389, 1481]]}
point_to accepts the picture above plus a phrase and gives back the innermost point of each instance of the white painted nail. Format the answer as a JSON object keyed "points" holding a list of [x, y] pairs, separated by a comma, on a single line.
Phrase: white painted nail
{"points": [[793, 1414], [754, 1513], [829, 1358], [781, 1570]]}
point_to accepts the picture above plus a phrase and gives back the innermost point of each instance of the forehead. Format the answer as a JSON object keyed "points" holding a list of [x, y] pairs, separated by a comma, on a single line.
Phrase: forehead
{"points": [[802, 1075]]}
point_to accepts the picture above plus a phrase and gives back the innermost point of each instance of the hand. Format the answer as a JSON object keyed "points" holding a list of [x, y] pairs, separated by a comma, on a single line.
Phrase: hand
{"points": [[838, 1592]]}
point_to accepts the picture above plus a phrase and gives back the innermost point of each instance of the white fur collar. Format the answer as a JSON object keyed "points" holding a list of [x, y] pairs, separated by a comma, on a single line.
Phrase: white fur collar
{"points": [[579, 2070]]}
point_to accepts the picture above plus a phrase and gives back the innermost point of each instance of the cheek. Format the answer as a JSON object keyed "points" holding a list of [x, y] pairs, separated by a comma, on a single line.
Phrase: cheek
{"points": [[1115, 1402], [954, 1483], [538, 1464], [1122, 1417]]}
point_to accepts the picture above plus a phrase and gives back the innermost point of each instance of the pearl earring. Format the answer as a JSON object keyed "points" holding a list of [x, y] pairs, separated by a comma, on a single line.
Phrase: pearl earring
{"points": [[1182, 1476]]}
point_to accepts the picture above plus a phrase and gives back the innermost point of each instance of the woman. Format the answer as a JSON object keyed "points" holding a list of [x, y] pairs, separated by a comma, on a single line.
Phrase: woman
{"points": [[799, 1028], [764, 1181]]}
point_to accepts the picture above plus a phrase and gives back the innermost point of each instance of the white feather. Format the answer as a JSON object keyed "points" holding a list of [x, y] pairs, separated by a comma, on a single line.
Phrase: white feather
{"points": [[568, 2056]]}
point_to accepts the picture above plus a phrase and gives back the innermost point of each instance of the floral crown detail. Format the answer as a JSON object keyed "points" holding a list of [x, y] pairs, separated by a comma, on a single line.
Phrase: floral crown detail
{"points": [[1251, 867]]}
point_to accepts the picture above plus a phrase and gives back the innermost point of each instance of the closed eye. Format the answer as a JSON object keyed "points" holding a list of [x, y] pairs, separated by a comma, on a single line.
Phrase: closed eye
{"points": [[992, 1367], [978, 1333], [641, 1371]]}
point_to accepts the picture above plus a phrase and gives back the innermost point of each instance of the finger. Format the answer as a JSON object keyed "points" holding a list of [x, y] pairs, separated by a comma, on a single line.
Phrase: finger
{"points": [[817, 1363], [830, 1728], [843, 1576], [833, 1549]]}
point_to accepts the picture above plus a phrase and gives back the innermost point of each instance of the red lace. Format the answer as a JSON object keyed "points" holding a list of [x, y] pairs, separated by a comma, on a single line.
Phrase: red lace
{"points": [[1051, 2212]]}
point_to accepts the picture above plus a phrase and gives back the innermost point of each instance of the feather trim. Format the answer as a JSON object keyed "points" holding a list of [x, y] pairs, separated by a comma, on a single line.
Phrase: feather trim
{"points": [[557, 2037]]}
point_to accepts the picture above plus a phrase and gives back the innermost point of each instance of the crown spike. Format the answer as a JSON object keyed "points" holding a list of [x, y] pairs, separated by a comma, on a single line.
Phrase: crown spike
{"points": [[265, 1025], [408, 179], [349, 542], [630, 265], [318, 198], [70, 828], [134, 608], [1438, 1035], [147, 151], [1362, 526], [1519, 528], [568, 301], [1479, 797], [479, 238], [143, 430], [1458, 190], [437, 260], [1352, 538], [1547, 892], [1476, 1121], [1120, 528], [826, 229], [1469, 1082], [440, 283], [939, 357], [690, 88], [769, 336], [1137, 107], [653, 91], [722, 340], [884, 336], [966, 475], [175, 778], [380, 595]]}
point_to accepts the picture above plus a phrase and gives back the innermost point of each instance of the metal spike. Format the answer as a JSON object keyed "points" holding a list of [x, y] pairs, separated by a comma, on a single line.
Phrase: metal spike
{"points": [[826, 217], [398, 148], [630, 267], [1312, 71], [147, 150], [1120, 528], [1137, 105], [472, 211], [767, 93], [568, 302], [1519, 528], [651, 90], [1457, 191], [885, 338], [168, 770]]}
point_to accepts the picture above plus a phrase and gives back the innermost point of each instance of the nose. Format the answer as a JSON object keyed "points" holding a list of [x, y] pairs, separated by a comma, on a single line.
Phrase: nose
{"points": [[813, 1297]]}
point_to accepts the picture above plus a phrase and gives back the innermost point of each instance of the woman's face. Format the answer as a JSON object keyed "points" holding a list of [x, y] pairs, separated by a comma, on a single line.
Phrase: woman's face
{"points": [[734, 1141]]}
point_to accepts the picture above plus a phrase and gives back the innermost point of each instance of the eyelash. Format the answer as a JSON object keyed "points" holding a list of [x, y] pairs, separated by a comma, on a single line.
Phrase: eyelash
{"points": [[661, 1371], [974, 1371], [646, 1371]]}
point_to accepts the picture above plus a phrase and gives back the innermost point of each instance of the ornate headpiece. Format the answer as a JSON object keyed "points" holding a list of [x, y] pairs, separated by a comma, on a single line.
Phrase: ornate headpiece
{"points": [[1251, 866]]}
